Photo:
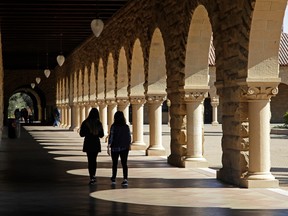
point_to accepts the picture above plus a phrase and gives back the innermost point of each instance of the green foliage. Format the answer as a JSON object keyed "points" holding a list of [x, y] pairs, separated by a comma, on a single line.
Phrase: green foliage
{"points": [[285, 116], [18, 101]]}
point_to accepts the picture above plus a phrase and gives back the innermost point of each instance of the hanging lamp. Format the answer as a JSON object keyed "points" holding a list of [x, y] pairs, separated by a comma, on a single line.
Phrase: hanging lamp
{"points": [[38, 80], [60, 58], [97, 25], [47, 71]]}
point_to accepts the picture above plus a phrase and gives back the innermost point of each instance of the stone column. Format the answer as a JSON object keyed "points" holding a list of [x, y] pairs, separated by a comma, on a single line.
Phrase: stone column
{"points": [[259, 174], [103, 115], [112, 108], [64, 124], [68, 114], [78, 116], [137, 122], [195, 129], [155, 125], [74, 117], [215, 104], [123, 105], [82, 112]]}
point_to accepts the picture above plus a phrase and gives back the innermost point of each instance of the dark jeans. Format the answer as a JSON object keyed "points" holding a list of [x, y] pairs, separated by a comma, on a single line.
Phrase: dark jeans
{"points": [[123, 156], [92, 163]]}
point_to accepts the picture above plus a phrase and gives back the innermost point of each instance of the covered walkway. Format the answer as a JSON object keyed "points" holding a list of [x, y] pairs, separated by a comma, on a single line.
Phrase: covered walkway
{"points": [[44, 173]]}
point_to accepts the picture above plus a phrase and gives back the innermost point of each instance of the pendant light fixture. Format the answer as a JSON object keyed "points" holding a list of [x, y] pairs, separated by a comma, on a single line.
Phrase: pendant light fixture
{"points": [[47, 71], [60, 58], [97, 26], [38, 80]]}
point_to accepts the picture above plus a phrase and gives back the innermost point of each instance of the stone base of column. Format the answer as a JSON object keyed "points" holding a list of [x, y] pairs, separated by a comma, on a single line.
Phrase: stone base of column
{"points": [[138, 146], [176, 160], [265, 180], [215, 123], [195, 163], [76, 129], [259, 183], [155, 152]]}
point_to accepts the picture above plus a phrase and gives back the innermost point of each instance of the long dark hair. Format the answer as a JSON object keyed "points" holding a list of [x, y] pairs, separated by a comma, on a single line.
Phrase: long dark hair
{"points": [[119, 118], [92, 121]]}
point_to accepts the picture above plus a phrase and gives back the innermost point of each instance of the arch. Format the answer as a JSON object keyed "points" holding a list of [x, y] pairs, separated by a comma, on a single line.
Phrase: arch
{"points": [[38, 104], [110, 78], [137, 70], [100, 81], [157, 65], [122, 76], [197, 51], [264, 40]]}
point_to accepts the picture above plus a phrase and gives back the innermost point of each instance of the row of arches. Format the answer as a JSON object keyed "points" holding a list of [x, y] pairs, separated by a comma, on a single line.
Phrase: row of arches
{"points": [[169, 59]]}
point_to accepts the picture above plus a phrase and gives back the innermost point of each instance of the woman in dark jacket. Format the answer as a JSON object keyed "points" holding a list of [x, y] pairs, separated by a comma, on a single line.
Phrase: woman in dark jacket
{"points": [[119, 142], [92, 130]]}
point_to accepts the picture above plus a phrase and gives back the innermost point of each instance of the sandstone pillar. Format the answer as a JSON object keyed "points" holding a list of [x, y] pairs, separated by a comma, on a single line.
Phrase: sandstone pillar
{"points": [[195, 130], [215, 104], [259, 174], [155, 125], [123, 105], [103, 114], [112, 108], [82, 112], [68, 116], [137, 123]]}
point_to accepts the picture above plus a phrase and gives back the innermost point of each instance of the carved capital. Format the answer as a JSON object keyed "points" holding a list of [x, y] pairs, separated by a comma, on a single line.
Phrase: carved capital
{"points": [[122, 101], [137, 99], [155, 98], [110, 101], [101, 102], [191, 96], [259, 92]]}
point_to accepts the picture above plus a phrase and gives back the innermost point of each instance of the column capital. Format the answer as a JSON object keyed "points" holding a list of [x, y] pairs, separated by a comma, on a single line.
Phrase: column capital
{"points": [[259, 92], [110, 101], [155, 98], [122, 100], [215, 101], [137, 99], [101, 102], [195, 95]]}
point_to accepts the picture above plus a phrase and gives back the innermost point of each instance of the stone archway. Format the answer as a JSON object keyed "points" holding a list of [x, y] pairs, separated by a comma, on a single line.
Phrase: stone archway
{"points": [[38, 104]]}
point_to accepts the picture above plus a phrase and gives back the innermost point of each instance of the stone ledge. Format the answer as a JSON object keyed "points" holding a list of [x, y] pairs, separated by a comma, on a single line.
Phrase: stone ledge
{"points": [[280, 131]]}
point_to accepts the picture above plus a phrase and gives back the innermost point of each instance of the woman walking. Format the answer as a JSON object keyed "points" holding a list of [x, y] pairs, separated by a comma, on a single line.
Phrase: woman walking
{"points": [[119, 141], [92, 130]]}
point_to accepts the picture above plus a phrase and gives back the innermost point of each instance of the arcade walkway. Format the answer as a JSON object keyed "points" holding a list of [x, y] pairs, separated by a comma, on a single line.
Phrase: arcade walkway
{"points": [[44, 173]]}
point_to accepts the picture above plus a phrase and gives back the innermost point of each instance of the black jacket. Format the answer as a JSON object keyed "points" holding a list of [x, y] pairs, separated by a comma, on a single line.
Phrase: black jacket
{"points": [[120, 136], [91, 142]]}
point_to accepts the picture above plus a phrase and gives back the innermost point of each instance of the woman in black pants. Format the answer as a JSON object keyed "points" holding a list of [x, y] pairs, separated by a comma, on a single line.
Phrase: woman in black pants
{"points": [[119, 142], [92, 130]]}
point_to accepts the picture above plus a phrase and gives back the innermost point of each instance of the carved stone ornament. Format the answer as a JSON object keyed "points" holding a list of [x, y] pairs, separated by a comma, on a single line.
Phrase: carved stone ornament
{"points": [[137, 99], [195, 96], [122, 101], [259, 92], [155, 98]]}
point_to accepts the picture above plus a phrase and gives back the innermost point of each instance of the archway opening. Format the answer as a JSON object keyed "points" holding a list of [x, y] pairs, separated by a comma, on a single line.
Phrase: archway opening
{"points": [[23, 103]]}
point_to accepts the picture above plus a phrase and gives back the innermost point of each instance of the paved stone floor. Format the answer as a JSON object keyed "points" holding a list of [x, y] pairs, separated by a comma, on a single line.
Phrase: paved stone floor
{"points": [[44, 172]]}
